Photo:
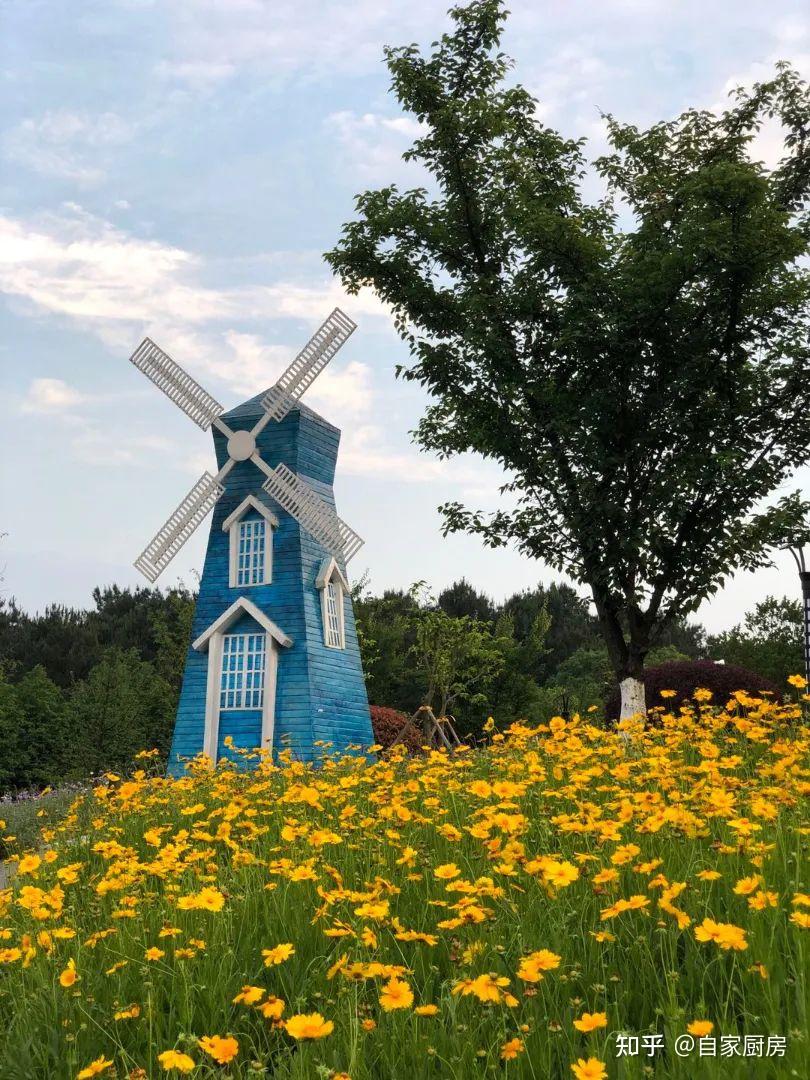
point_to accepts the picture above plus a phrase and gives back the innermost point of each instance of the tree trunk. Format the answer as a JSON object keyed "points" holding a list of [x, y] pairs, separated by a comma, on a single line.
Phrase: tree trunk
{"points": [[633, 698]]}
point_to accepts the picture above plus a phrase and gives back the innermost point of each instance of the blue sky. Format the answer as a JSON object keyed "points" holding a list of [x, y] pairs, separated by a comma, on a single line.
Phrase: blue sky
{"points": [[176, 167]]}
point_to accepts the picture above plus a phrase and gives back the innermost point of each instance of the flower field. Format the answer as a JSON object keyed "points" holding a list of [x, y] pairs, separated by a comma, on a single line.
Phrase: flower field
{"points": [[510, 911]]}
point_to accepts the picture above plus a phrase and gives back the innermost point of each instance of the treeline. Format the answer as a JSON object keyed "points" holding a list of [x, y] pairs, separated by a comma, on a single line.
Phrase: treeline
{"points": [[81, 691]]}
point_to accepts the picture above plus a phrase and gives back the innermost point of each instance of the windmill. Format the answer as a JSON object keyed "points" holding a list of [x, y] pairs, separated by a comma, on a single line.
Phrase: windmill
{"points": [[292, 493], [277, 554]]}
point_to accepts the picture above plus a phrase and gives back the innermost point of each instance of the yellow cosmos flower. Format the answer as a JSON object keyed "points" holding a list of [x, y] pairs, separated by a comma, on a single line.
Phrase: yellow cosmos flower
{"points": [[592, 1069], [278, 954], [132, 1013], [396, 994], [726, 935], [29, 864], [174, 1059], [801, 919], [100, 1065], [308, 1026], [426, 1010], [272, 1008], [154, 953], [69, 976], [368, 1024], [249, 995], [798, 681], [446, 872], [699, 1028], [511, 1049], [221, 1049], [591, 1021], [533, 966], [207, 899]]}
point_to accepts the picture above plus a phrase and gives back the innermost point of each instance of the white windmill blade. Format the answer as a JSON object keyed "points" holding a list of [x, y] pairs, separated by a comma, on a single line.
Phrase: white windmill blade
{"points": [[307, 366], [308, 508], [163, 547], [177, 384]]}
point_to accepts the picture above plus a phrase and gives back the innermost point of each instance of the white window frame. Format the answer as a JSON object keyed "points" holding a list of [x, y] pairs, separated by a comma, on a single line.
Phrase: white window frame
{"points": [[331, 577], [233, 526], [244, 657], [252, 532]]}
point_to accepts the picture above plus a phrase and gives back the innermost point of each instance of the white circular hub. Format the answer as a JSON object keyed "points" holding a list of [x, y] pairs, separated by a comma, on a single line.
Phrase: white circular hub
{"points": [[241, 445]]}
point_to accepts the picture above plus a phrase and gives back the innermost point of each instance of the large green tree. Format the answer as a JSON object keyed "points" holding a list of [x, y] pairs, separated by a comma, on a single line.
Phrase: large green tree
{"points": [[639, 363]]}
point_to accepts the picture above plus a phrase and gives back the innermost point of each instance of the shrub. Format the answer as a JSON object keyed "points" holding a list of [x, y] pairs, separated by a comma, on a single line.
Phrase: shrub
{"points": [[686, 676], [388, 723]]}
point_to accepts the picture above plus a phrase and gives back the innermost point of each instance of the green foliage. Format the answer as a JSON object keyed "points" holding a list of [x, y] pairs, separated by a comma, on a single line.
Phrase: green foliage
{"points": [[458, 659], [122, 707], [33, 731], [769, 641], [639, 364]]}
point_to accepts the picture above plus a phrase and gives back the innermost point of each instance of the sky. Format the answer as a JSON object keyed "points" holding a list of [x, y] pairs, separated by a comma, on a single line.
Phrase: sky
{"points": [[177, 167]]}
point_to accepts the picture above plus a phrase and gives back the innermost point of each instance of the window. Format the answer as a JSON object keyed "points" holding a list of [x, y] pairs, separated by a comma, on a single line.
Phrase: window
{"points": [[241, 684], [250, 553], [333, 615]]}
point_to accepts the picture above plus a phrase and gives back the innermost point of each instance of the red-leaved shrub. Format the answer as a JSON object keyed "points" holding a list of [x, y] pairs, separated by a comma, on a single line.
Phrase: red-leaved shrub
{"points": [[388, 723], [686, 676]]}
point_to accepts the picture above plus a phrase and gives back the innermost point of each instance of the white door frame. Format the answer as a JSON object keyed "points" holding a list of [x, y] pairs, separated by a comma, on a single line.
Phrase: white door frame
{"points": [[212, 709]]}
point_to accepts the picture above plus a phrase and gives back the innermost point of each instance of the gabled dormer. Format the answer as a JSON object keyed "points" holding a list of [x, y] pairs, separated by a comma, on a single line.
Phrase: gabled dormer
{"points": [[333, 587], [250, 528]]}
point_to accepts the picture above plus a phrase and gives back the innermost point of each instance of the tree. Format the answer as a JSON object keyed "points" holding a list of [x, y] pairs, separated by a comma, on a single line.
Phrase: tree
{"points": [[122, 707], [33, 731], [639, 363], [462, 598], [457, 658], [768, 642]]}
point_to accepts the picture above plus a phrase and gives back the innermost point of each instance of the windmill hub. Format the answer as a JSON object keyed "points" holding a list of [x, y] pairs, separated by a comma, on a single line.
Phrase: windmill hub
{"points": [[241, 445]]}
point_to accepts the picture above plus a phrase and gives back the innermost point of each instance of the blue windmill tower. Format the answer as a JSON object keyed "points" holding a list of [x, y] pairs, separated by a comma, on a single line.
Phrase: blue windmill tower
{"points": [[274, 660]]}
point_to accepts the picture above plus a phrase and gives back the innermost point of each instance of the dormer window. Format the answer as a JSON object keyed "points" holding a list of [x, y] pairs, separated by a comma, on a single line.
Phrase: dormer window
{"points": [[251, 554], [250, 528], [333, 587]]}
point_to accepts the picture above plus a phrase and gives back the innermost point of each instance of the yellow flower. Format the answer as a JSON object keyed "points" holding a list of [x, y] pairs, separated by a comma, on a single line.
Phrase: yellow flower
{"points": [[560, 874], [208, 899], [69, 976], [368, 1024], [709, 875], [154, 953], [726, 935], [700, 1028], [446, 872], [591, 1021], [272, 1008], [100, 1065], [798, 681], [668, 693], [396, 994], [29, 864], [532, 966], [592, 1069], [511, 1049], [308, 1026], [745, 886], [426, 1010], [278, 954], [249, 995], [801, 919], [222, 1050], [484, 987], [132, 1013], [174, 1059]]}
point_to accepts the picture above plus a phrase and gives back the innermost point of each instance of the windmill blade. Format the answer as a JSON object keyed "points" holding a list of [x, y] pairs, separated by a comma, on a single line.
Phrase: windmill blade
{"points": [[177, 384], [308, 365], [309, 509], [163, 547]]}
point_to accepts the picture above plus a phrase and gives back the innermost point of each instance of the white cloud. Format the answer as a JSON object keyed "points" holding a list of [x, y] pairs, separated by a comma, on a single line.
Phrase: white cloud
{"points": [[51, 396], [373, 144], [120, 286], [69, 145]]}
